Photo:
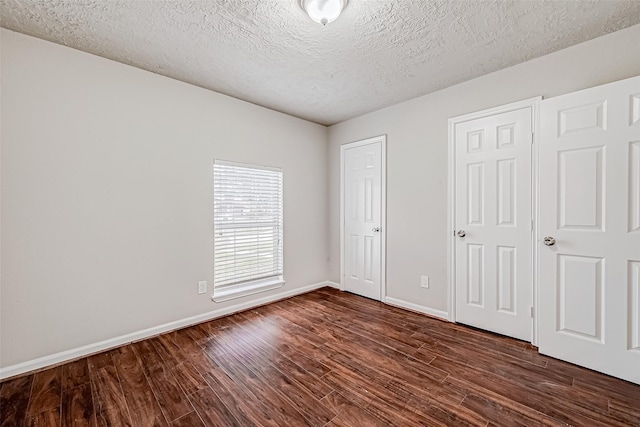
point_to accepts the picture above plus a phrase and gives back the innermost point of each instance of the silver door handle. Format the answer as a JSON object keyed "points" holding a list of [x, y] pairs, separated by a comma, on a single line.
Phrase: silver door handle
{"points": [[549, 241], [376, 229], [461, 233]]}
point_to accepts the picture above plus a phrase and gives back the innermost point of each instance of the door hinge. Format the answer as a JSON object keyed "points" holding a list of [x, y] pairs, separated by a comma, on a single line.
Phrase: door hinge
{"points": [[532, 312], [532, 138]]}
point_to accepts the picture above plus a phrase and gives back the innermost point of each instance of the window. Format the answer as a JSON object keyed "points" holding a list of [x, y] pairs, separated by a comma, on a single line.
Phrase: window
{"points": [[247, 225]]}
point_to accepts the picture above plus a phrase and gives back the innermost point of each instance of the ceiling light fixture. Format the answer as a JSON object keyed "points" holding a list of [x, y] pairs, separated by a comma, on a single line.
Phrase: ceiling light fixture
{"points": [[323, 11]]}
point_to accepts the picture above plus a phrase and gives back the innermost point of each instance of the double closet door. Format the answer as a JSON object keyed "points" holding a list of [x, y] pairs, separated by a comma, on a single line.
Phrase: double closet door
{"points": [[586, 242]]}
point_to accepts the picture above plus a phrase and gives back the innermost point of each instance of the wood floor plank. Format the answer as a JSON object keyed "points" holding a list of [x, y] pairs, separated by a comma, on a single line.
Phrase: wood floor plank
{"points": [[376, 400], [109, 401], [506, 402], [99, 361], [405, 384], [170, 396], [501, 415], [566, 411], [166, 386], [275, 406], [168, 350], [614, 388], [47, 418], [192, 419], [340, 422], [184, 341], [325, 358], [371, 390], [587, 379], [348, 413], [312, 383], [75, 374], [189, 378], [314, 358], [436, 342], [349, 303], [292, 391], [144, 409], [46, 391], [492, 361], [78, 409], [198, 333], [212, 410], [419, 399], [147, 353], [373, 327], [418, 323], [239, 401], [14, 400], [624, 413], [204, 365], [308, 309], [386, 357], [586, 402]]}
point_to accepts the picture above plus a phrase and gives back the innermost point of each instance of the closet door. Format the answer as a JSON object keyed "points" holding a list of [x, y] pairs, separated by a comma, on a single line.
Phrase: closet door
{"points": [[362, 177], [589, 241], [493, 243]]}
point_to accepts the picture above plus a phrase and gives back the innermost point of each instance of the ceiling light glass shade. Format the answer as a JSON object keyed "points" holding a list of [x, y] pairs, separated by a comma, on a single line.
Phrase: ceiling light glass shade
{"points": [[323, 11]]}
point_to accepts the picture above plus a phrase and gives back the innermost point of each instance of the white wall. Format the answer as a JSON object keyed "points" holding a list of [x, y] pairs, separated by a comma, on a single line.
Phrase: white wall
{"points": [[416, 132], [107, 203]]}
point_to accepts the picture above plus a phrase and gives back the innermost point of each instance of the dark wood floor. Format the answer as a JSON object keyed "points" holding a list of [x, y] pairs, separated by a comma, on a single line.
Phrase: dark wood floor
{"points": [[323, 359]]}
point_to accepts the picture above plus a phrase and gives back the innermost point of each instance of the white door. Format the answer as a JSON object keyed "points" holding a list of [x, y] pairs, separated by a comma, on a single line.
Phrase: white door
{"points": [[362, 214], [493, 249], [589, 289]]}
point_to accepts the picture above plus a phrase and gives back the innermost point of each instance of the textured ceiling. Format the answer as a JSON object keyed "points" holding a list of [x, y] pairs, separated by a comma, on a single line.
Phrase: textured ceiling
{"points": [[268, 52]]}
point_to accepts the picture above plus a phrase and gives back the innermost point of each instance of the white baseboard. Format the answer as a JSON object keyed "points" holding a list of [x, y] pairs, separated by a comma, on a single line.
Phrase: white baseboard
{"points": [[67, 355], [334, 285], [415, 307]]}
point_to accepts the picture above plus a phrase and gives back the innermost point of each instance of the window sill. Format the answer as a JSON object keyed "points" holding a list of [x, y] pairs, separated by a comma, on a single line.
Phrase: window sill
{"points": [[249, 289]]}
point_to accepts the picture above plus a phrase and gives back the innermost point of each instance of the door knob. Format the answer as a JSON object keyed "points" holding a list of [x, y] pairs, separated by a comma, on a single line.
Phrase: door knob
{"points": [[376, 229], [461, 233], [549, 241]]}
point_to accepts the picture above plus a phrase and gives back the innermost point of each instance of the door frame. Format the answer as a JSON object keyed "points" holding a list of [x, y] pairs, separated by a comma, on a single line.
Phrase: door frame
{"points": [[532, 103], [382, 139]]}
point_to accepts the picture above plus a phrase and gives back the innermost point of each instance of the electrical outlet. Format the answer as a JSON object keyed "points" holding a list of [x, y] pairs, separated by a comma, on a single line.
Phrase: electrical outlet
{"points": [[202, 287], [424, 282]]}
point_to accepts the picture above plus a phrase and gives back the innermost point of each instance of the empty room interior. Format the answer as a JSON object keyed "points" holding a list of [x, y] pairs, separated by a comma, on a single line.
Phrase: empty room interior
{"points": [[320, 213]]}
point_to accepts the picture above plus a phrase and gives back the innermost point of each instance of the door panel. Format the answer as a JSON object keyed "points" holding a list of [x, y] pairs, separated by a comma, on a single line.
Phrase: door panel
{"points": [[581, 175], [506, 192], [580, 279], [475, 271], [362, 180], [475, 190], [493, 208], [589, 196], [634, 305], [506, 279], [634, 186]]}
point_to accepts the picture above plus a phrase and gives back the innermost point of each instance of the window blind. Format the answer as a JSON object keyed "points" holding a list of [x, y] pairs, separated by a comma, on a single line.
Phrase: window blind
{"points": [[247, 224]]}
